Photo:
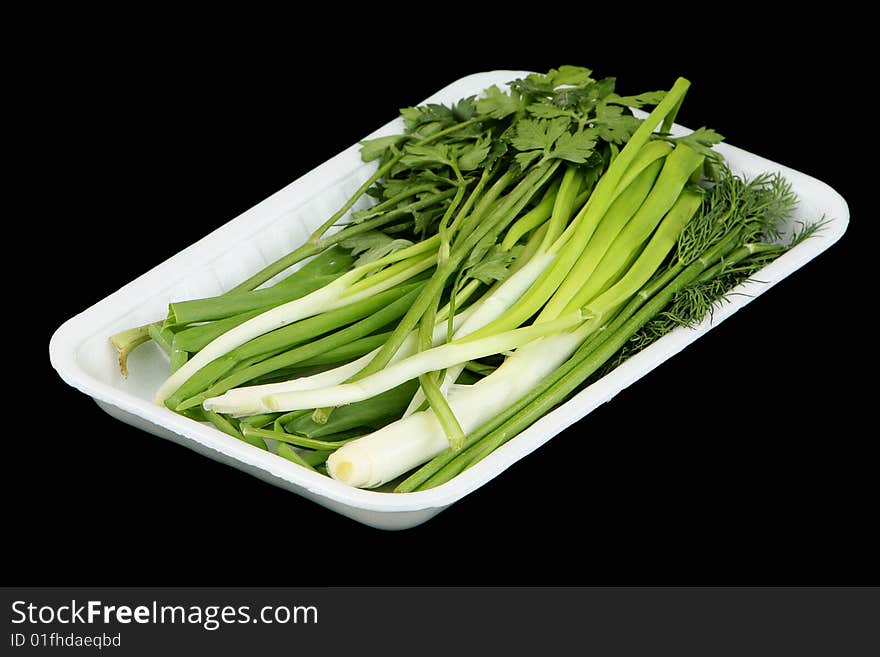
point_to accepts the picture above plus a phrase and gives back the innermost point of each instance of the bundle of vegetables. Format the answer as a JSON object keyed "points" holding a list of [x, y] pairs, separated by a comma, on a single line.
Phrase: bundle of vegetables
{"points": [[520, 245]]}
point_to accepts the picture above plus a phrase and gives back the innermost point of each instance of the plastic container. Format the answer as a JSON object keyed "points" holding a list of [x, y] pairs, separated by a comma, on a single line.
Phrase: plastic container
{"points": [[83, 357]]}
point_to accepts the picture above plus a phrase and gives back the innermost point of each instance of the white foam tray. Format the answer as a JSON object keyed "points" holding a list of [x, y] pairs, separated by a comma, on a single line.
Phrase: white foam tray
{"points": [[80, 352]]}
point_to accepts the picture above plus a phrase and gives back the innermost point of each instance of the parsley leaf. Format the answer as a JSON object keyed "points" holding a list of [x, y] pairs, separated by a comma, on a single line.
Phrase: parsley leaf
{"points": [[602, 88], [425, 155], [573, 98], [533, 85], [472, 157], [492, 264], [525, 158], [424, 219], [426, 130], [575, 147], [413, 117], [551, 139], [574, 75], [702, 141], [532, 134], [640, 100], [497, 105], [544, 109], [613, 125], [373, 149], [464, 110], [372, 245]]}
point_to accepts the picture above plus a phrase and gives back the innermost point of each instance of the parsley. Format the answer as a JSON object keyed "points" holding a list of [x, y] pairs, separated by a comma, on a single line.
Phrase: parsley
{"points": [[613, 125], [475, 154], [372, 245], [417, 156], [373, 149], [493, 265], [701, 140], [545, 109], [498, 105], [640, 100], [551, 139]]}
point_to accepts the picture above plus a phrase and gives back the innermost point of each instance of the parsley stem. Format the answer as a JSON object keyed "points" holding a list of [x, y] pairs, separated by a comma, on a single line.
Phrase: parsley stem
{"points": [[315, 244], [311, 248], [393, 201]]}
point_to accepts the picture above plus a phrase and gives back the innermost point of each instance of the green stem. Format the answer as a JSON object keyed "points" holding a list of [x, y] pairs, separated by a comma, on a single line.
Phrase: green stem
{"points": [[229, 428], [442, 229], [299, 441], [287, 452], [533, 218], [392, 202], [619, 213], [195, 338], [348, 351], [283, 419], [259, 421], [651, 257], [563, 206], [727, 263], [310, 459], [665, 195], [428, 381], [162, 336], [178, 359]]}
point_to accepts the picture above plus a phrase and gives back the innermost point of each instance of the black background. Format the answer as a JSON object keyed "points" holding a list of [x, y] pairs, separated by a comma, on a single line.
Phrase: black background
{"points": [[744, 460]]}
